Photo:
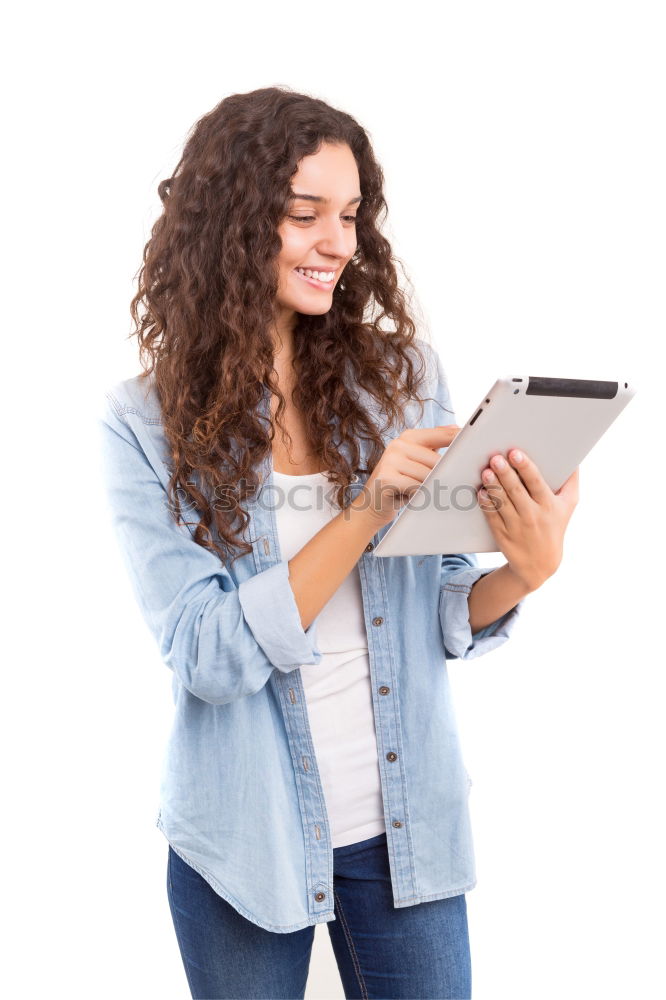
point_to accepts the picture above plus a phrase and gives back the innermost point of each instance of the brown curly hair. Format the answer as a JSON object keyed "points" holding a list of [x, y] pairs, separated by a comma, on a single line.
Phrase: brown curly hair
{"points": [[204, 307]]}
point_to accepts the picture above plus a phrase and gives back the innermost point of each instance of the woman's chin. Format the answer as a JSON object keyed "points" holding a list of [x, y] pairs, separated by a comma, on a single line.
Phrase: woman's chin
{"points": [[307, 307]]}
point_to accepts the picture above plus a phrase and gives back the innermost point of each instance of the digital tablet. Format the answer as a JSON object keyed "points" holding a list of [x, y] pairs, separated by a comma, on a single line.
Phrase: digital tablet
{"points": [[555, 421]]}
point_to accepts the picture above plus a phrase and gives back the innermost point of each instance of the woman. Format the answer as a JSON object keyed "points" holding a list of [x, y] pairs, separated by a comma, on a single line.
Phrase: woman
{"points": [[313, 771]]}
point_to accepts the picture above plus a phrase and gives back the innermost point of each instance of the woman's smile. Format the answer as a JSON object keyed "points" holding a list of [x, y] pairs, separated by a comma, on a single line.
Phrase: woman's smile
{"points": [[315, 282]]}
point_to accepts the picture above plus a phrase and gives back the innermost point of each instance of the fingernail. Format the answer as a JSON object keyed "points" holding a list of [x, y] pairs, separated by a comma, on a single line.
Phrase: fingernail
{"points": [[517, 456], [498, 462]]}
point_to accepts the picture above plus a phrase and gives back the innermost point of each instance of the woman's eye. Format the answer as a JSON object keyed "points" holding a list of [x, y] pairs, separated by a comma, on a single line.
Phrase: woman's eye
{"points": [[310, 218]]}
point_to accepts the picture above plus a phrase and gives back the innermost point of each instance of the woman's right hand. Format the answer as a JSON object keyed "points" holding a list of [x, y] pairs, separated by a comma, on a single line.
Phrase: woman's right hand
{"points": [[405, 463]]}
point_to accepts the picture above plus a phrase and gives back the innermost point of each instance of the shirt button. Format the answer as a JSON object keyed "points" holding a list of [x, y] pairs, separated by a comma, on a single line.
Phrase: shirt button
{"points": [[396, 823], [319, 896], [369, 547], [384, 690], [377, 621], [391, 755]]}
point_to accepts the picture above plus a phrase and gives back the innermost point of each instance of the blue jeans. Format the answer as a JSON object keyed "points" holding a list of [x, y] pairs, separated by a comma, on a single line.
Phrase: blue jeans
{"points": [[417, 952]]}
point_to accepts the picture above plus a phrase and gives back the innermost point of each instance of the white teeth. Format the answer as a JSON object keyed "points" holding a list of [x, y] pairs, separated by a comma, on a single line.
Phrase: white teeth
{"points": [[318, 275]]}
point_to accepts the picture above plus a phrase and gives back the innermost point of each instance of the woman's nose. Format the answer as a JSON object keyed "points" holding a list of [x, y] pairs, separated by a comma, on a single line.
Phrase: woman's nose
{"points": [[336, 241]]}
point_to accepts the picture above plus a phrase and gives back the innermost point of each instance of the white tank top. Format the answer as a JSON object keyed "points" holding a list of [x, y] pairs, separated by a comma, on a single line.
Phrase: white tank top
{"points": [[337, 690]]}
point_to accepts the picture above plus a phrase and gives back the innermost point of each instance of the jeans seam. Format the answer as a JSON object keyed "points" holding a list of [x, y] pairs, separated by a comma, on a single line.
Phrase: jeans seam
{"points": [[350, 945], [177, 926]]}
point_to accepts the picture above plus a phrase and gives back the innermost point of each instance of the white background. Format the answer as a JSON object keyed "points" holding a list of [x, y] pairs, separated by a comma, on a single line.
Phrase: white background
{"points": [[524, 152]]}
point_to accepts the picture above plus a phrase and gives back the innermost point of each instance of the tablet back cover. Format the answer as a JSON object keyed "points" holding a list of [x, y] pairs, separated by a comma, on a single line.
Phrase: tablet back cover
{"points": [[555, 421]]}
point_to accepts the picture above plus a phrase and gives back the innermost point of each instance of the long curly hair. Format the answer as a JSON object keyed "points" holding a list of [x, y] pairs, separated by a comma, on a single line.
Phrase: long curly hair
{"points": [[205, 305]]}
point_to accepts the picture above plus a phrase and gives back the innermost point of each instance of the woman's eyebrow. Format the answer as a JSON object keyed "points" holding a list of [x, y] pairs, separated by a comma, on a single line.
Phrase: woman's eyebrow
{"points": [[325, 201]]}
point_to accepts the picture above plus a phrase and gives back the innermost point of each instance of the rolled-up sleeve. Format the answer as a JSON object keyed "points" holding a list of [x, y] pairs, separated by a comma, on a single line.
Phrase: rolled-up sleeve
{"points": [[459, 641], [221, 639], [270, 610]]}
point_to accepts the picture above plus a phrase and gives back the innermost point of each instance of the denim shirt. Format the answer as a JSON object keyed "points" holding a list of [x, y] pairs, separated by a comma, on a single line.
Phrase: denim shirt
{"points": [[241, 799]]}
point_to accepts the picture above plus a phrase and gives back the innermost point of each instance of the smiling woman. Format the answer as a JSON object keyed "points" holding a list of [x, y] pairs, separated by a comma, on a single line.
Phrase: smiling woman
{"points": [[271, 185], [313, 771]]}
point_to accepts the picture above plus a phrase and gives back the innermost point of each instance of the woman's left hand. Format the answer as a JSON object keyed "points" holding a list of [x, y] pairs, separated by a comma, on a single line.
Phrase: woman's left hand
{"points": [[526, 517]]}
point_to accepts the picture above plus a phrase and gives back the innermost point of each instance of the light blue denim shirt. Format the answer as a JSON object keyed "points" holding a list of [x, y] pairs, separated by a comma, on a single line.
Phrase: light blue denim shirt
{"points": [[241, 799]]}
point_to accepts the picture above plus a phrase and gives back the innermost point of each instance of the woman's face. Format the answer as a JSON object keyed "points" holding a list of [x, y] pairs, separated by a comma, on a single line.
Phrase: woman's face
{"points": [[319, 232]]}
